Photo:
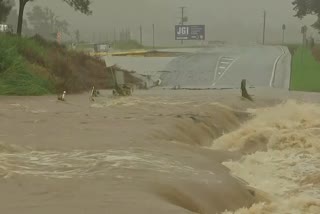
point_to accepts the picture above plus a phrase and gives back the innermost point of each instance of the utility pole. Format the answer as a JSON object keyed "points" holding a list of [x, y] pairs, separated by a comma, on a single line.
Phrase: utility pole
{"points": [[182, 18], [114, 35], [93, 37], [140, 35], [304, 30], [153, 43], [264, 26], [128, 34]]}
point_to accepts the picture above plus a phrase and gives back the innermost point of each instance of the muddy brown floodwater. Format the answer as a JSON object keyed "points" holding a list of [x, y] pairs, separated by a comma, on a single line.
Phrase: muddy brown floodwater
{"points": [[161, 151]]}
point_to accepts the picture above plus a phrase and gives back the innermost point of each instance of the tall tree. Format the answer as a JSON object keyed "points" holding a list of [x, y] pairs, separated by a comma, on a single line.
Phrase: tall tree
{"points": [[46, 23], [5, 8], [308, 7], [79, 5], [12, 20]]}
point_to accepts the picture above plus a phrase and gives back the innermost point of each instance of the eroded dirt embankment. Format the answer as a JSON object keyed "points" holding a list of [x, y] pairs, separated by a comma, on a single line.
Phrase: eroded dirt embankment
{"points": [[34, 66]]}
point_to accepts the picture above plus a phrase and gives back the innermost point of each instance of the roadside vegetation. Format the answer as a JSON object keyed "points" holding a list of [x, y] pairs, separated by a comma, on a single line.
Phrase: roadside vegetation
{"points": [[305, 74], [292, 47], [34, 66], [16, 77]]}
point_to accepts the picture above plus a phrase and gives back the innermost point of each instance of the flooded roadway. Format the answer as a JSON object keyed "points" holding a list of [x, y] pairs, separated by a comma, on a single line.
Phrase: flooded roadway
{"points": [[125, 155], [215, 67], [161, 151]]}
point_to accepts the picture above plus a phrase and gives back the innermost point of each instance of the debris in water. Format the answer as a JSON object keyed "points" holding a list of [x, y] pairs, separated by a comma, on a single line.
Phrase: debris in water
{"points": [[244, 90]]}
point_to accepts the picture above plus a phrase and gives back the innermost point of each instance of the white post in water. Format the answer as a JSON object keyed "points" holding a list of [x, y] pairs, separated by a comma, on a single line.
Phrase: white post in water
{"points": [[63, 95]]}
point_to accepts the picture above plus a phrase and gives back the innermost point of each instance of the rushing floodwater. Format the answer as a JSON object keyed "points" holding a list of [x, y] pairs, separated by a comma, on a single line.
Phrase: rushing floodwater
{"points": [[283, 157], [272, 151]]}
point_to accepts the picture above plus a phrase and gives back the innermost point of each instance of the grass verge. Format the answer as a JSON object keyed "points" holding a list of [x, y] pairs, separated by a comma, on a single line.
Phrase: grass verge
{"points": [[305, 74]]}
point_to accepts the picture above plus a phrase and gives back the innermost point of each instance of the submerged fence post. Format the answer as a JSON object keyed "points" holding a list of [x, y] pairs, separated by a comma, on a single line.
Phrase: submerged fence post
{"points": [[244, 91]]}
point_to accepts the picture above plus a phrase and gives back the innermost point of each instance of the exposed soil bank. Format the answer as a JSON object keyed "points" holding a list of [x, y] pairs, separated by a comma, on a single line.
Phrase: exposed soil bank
{"points": [[33, 66]]}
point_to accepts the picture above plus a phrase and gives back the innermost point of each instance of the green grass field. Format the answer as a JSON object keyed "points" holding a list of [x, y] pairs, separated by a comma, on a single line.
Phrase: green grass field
{"points": [[305, 74]]}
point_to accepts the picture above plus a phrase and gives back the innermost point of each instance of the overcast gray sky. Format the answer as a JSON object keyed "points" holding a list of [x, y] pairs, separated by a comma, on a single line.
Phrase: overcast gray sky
{"points": [[230, 20]]}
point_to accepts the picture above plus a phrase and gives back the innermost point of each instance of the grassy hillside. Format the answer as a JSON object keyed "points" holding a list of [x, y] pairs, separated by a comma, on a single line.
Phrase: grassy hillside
{"points": [[33, 66], [305, 74], [15, 70]]}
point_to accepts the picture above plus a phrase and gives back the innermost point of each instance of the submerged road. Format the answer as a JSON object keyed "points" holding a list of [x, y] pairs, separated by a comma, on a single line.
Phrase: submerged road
{"points": [[154, 152], [224, 67], [215, 67]]}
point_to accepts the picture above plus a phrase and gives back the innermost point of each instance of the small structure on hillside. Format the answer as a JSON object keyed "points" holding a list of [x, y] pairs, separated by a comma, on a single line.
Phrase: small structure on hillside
{"points": [[101, 47], [4, 28]]}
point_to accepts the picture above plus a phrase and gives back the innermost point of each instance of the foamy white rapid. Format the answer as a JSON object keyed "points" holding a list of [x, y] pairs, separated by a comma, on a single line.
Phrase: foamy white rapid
{"points": [[282, 160]]}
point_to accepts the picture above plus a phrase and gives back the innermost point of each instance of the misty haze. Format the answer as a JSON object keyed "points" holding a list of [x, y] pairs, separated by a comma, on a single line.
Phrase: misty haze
{"points": [[227, 20]]}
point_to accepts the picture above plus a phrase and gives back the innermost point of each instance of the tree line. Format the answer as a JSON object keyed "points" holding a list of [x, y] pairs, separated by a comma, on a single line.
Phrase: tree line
{"points": [[308, 7], [43, 20]]}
